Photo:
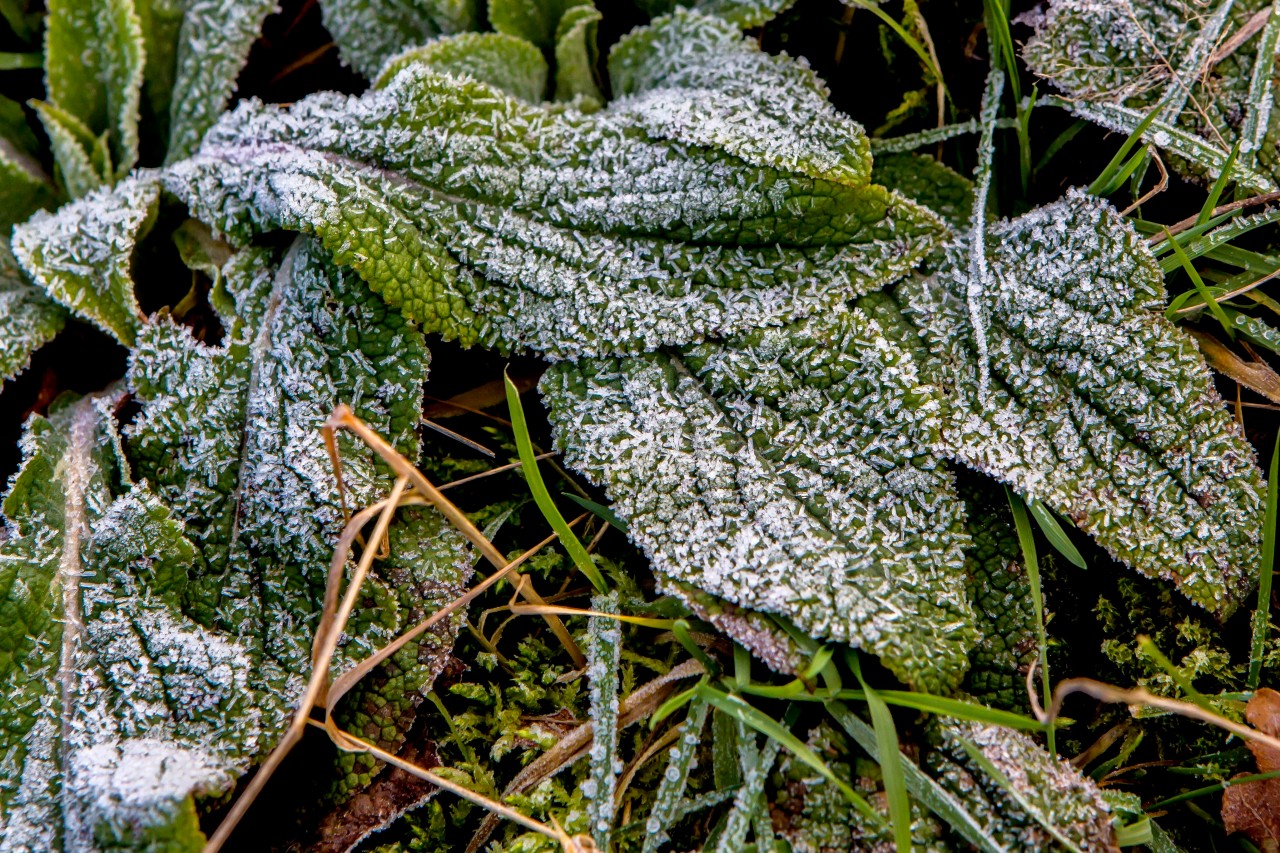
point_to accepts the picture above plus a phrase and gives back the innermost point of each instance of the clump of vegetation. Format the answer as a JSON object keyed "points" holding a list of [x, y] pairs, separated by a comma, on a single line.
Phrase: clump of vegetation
{"points": [[522, 426]]}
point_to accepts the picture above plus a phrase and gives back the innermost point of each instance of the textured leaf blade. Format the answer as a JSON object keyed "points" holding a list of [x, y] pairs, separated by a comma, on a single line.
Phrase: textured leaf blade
{"points": [[230, 437], [369, 32], [28, 318], [82, 255], [116, 707], [626, 240], [93, 71], [213, 44], [508, 63], [785, 471], [577, 55], [1100, 408]]}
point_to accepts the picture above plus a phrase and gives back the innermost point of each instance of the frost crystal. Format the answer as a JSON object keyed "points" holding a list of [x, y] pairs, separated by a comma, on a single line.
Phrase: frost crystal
{"points": [[693, 206], [1099, 407], [787, 471]]}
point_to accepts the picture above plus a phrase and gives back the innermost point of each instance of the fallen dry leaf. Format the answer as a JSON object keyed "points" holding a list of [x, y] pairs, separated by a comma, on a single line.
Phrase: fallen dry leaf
{"points": [[1254, 808]]}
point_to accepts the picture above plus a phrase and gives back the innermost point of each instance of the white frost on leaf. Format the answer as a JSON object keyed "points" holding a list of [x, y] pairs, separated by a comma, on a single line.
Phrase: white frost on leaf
{"points": [[1099, 407], [618, 231], [787, 471]]}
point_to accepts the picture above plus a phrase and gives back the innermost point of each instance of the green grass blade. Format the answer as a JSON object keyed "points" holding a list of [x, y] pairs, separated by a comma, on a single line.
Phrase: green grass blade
{"points": [[907, 39], [1111, 179], [529, 464], [1211, 203], [769, 727], [960, 709], [926, 791], [1151, 650], [895, 785], [600, 511], [1027, 541], [670, 793], [1262, 615], [1196, 280], [1052, 530]]}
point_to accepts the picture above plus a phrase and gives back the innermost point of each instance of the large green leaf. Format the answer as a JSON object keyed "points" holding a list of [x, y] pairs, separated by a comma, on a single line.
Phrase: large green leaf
{"points": [[115, 707], [369, 32], [492, 221], [786, 470], [508, 63], [1025, 798], [1099, 407]]}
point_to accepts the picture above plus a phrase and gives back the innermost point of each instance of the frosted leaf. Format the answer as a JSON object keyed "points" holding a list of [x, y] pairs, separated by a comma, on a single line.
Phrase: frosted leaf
{"points": [[787, 471], [922, 178], [505, 62], [1032, 801], [744, 14], [93, 72], [213, 45], [230, 438], [1099, 407], [577, 55], [578, 234], [114, 705], [28, 318], [1117, 61], [369, 32], [82, 254]]}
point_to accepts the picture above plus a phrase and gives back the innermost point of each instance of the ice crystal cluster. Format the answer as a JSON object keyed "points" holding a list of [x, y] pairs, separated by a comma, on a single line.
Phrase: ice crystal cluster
{"points": [[769, 351]]}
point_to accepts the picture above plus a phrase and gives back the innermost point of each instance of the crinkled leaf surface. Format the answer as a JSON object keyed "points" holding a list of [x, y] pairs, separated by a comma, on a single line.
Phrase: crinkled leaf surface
{"points": [[1026, 798], [786, 470], [230, 438], [82, 255], [684, 210], [114, 706], [369, 32], [508, 63], [94, 60], [1120, 60], [1099, 407], [536, 21], [740, 13], [213, 45], [28, 318]]}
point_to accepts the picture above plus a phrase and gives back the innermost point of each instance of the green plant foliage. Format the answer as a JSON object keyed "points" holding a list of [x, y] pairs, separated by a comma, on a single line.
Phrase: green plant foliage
{"points": [[369, 32], [505, 62], [1099, 407], [753, 469], [1117, 60], [28, 318], [587, 265]]}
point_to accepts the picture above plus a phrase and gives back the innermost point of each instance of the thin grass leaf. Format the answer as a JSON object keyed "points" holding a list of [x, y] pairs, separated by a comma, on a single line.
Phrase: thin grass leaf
{"points": [[1110, 178], [927, 792], [748, 804], [1201, 289], [1215, 194], [979, 276], [895, 785], [1029, 559], [726, 735], [604, 648], [669, 797], [771, 728], [1052, 530], [542, 497], [909, 40], [1151, 650], [1262, 615], [601, 511], [1261, 99], [960, 709]]}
